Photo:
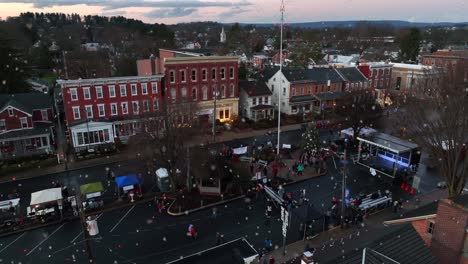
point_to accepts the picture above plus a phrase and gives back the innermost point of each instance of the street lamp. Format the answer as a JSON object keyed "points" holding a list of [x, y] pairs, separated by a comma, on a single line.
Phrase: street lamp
{"points": [[215, 95]]}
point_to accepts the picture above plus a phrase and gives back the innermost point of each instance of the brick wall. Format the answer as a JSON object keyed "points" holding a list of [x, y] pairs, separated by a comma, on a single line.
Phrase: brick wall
{"points": [[449, 234], [421, 227]]}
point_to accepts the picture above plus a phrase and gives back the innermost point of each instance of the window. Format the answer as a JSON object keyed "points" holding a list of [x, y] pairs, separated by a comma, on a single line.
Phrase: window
{"points": [[76, 112], [86, 93], [182, 76], [430, 227], [172, 76], [102, 111], [294, 109], [73, 94], [134, 89], [44, 115], [221, 114], [136, 107], [173, 95], [213, 73], [111, 91], [223, 91], [123, 90], [194, 75], [231, 73], [265, 100], [272, 88], [293, 91], [145, 106], [260, 100], [231, 90], [2, 125], [89, 111], [398, 83], [226, 113], [205, 93], [154, 88], [124, 106], [284, 91], [114, 109], [99, 92], [204, 74], [184, 93], [194, 93], [144, 88], [155, 104], [223, 73], [24, 122], [254, 101]]}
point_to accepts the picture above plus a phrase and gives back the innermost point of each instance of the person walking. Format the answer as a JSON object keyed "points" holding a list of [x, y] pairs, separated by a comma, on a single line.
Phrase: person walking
{"points": [[192, 232], [300, 169], [268, 244], [268, 212], [272, 260], [214, 213]]}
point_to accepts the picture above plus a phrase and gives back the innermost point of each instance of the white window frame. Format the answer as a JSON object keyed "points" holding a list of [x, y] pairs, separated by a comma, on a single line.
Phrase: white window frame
{"points": [[74, 108], [134, 92], [214, 71], [147, 108], [137, 107], [172, 76], [192, 75], [24, 120], [154, 87], [2, 121], [99, 88], [204, 93], [123, 87], [44, 115], [73, 93], [155, 104], [111, 91], [144, 88], [183, 93], [430, 228], [103, 110], [124, 110], [86, 111], [223, 73], [195, 98], [11, 112], [232, 90], [114, 106], [88, 92], [223, 91], [173, 95], [204, 74], [231, 70], [183, 76]]}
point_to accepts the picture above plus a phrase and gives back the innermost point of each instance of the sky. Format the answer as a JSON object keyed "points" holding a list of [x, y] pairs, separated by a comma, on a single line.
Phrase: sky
{"points": [[250, 11]]}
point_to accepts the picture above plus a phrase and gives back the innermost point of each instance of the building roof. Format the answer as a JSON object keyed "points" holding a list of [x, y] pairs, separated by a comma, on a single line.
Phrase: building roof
{"points": [[315, 75], [302, 98], [404, 245], [389, 142], [329, 96], [110, 80], [449, 53], [26, 101], [231, 252], [202, 59], [407, 66], [351, 74], [261, 107], [461, 199], [254, 88], [268, 72]]}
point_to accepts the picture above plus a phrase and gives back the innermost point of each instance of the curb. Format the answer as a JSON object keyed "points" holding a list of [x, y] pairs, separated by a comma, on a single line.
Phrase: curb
{"points": [[202, 207]]}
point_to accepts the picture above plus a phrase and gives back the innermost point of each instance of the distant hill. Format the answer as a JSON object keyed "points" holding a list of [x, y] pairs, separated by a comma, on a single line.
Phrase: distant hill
{"points": [[352, 23]]}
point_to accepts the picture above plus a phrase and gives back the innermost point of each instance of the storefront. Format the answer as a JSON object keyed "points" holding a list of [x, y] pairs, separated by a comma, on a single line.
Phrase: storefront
{"points": [[92, 195], [90, 136]]}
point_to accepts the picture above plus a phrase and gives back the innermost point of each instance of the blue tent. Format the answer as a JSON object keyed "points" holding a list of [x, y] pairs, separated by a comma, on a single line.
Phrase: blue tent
{"points": [[126, 180]]}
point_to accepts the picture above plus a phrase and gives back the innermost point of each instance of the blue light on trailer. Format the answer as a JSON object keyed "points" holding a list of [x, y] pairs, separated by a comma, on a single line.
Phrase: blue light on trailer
{"points": [[399, 162]]}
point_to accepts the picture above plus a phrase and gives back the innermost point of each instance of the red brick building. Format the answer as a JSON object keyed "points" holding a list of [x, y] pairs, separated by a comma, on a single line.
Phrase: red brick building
{"points": [[26, 122], [443, 227], [193, 77], [379, 74], [99, 110], [449, 60]]}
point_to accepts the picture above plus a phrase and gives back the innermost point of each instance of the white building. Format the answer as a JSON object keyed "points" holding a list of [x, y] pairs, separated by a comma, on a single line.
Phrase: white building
{"points": [[222, 36], [255, 100]]}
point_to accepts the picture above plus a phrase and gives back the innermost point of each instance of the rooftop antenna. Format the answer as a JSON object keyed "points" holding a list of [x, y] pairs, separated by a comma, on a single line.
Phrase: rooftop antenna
{"points": [[282, 9]]}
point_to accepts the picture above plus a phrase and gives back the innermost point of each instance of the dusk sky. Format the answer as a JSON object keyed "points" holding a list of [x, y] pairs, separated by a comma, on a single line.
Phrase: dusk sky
{"points": [[258, 11]]}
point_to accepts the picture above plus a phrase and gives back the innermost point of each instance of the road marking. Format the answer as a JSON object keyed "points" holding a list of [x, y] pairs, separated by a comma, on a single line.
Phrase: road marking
{"points": [[12, 242], [77, 236], [45, 239], [122, 219]]}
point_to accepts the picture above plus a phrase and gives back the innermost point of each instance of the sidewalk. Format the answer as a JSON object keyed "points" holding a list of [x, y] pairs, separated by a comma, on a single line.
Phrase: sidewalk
{"points": [[351, 238], [127, 155]]}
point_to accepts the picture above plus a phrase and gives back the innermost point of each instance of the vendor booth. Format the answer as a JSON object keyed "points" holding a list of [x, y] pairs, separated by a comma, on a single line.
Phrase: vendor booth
{"points": [[92, 195], [388, 155], [9, 212], [364, 132], [128, 184], [45, 203], [162, 180]]}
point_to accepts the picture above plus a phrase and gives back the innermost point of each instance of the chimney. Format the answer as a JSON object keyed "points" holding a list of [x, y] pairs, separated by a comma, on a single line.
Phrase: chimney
{"points": [[153, 65]]}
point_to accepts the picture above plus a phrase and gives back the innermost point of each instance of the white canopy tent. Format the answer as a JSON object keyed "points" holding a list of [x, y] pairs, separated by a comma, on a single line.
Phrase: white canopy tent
{"points": [[46, 196], [365, 131]]}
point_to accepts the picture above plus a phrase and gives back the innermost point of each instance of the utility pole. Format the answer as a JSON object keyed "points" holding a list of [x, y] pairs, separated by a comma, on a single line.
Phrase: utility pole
{"points": [[189, 182], [215, 94], [280, 86], [343, 190], [84, 225]]}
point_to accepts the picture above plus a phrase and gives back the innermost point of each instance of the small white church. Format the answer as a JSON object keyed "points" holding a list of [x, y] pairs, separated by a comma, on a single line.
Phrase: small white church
{"points": [[222, 36]]}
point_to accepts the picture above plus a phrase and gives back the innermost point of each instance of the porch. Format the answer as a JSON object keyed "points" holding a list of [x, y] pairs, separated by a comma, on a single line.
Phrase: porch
{"points": [[304, 104], [25, 143], [92, 136], [260, 112]]}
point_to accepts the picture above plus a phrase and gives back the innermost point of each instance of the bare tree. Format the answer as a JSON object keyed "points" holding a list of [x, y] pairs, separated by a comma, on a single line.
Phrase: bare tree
{"points": [[359, 110], [434, 116], [167, 136]]}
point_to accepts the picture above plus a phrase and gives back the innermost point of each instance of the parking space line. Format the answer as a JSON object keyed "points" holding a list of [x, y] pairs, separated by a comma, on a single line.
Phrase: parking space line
{"points": [[11, 243], [45, 239], [121, 219], [77, 236]]}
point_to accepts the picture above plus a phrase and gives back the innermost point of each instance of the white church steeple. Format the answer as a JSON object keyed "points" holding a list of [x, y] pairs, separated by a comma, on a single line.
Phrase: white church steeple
{"points": [[222, 36]]}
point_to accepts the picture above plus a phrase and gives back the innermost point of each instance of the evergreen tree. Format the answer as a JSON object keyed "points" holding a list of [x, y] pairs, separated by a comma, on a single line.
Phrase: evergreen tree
{"points": [[13, 68], [409, 45], [311, 139]]}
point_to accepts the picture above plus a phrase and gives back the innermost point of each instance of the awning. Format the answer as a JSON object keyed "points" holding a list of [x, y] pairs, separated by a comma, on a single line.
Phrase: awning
{"points": [[6, 204], [46, 196], [127, 180], [240, 151], [205, 112], [91, 188], [162, 173], [365, 131]]}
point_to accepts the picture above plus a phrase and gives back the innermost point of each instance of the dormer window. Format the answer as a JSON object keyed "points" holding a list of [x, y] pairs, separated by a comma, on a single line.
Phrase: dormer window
{"points": [[11, 112]]}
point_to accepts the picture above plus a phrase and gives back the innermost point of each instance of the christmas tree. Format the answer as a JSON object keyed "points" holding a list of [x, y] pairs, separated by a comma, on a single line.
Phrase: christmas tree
{"points": [[311, 139]]}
